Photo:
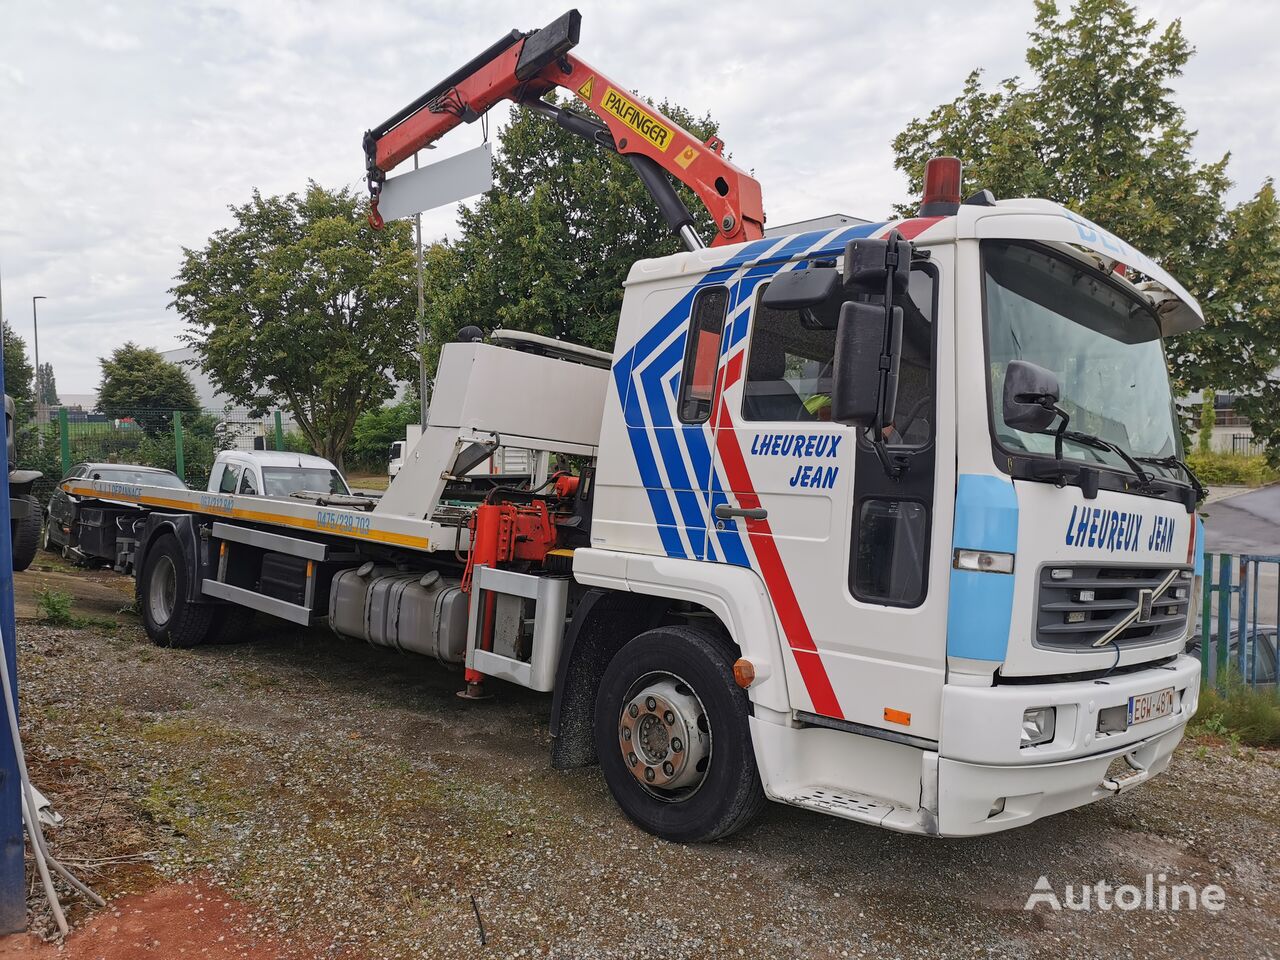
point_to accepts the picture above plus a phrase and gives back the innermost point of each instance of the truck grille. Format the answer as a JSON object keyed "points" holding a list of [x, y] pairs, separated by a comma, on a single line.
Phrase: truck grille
{"points": [[1078, 605]]}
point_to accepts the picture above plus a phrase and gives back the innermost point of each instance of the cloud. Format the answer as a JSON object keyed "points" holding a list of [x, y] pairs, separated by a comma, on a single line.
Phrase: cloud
{"points": [[129, 128]]}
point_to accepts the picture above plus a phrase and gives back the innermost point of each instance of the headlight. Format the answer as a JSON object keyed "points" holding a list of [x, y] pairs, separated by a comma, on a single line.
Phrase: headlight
{"points": [[1037, 725]]}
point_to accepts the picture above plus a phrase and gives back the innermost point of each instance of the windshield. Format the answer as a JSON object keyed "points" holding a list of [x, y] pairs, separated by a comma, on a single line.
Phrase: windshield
{"points": [[1103, 344], [152, 478], [285, 481]]}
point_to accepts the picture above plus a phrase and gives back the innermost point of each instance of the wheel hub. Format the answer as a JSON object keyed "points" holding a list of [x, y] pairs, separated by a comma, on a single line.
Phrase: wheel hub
{"points": [[163, 591], [663, 735]]}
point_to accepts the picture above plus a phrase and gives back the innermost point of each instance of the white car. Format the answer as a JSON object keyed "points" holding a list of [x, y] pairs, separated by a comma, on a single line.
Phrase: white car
{"points": [[274, 473]]}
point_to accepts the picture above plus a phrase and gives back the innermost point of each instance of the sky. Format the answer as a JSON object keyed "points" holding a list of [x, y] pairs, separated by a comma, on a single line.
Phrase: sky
{"points": [[126, 129]]}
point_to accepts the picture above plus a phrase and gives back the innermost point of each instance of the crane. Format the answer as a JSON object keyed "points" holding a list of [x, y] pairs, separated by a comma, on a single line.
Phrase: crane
{"points": [[523, 68]]}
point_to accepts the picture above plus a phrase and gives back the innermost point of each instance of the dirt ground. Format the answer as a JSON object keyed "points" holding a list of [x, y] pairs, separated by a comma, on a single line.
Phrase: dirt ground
{"points": [[302, 795]]}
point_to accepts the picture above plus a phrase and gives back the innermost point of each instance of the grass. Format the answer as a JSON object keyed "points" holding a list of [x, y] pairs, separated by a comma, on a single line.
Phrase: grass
{"points": [[1239, 713], [1231, 469], [55, 607]]}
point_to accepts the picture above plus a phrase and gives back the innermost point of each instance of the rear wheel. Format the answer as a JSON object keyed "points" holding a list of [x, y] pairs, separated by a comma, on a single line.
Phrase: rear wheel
{"points": [[672, 736], [26, 535], [170, 619]]}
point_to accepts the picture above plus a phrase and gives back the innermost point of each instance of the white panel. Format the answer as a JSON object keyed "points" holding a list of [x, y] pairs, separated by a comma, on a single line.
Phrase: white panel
{"points": [[446, 181]]}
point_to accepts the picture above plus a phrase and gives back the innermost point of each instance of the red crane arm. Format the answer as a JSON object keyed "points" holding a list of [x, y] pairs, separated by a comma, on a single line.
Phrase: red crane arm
{"points": [[523, 68]]}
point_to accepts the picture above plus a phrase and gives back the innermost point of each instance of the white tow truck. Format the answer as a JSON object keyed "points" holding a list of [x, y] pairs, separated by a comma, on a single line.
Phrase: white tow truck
{"points": [[884, 520]]}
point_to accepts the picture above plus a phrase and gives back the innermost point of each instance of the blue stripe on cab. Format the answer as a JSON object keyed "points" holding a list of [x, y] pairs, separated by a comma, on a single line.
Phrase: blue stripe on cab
{"points": [[980, 606]]}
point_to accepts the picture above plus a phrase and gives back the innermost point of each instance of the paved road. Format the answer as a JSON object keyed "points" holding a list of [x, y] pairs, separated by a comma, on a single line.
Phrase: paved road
{"points": [[1247, 523]]}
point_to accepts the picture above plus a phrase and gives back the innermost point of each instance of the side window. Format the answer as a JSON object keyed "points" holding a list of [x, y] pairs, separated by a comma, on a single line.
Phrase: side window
{"points": [[702, 354], [230, 474], [247, 484], [788, 366], [913, 416], [891, 553]]}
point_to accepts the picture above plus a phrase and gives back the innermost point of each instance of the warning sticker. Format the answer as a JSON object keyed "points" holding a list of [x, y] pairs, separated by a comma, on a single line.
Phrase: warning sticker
{"points": [[638, 119], [584, 91], [686, 157]]}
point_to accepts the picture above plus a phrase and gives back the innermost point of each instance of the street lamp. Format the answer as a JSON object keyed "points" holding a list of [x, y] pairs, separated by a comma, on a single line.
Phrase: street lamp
{"points": [[36, 341]]}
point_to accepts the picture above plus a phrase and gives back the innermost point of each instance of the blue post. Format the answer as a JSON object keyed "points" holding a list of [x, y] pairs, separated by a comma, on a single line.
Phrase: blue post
{"points": [[1242, 618], [13, 887], [1224, 616]]}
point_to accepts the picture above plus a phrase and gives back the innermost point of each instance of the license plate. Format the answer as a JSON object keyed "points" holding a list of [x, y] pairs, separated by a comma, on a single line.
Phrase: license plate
{"points": [[1150, 706]]}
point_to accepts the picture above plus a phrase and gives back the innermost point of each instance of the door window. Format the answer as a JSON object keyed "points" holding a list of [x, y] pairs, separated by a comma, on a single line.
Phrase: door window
{"points": [[247, 484], [702, 354], [230, 474]]}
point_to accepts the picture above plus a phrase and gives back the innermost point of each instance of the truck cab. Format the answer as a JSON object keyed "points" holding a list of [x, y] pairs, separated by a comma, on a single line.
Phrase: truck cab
{"points": [[956, 620], [274, 473]]}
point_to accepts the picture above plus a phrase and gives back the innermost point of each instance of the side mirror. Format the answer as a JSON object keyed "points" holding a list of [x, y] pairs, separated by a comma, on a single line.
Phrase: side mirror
{"points": [[1030, 393], [867, 264], [860, 396], [797, 289]]}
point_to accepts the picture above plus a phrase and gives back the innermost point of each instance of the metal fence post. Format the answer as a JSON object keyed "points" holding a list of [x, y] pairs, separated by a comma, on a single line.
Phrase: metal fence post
{"points": [[1242, 618], [64, 433], [1206, 615], [13, 888], [179, 461], [1224, 614], [279, 432]]}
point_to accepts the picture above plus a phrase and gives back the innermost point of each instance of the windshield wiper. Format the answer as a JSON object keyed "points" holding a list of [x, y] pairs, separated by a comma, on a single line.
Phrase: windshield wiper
{"points": [[1171, 462], [1089, 440]]}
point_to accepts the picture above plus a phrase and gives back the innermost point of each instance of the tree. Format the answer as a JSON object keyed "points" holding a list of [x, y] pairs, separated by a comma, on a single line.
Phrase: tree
{"points": [[1208, 419], [377, 429], [1098, 130], [46, 386], [547, 250], [17, 375], [138, 383], [301, 304]]}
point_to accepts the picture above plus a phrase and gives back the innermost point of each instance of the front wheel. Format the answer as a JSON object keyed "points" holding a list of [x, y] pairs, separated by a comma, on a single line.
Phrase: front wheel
{"points": [[672, 736], [170, 619]]}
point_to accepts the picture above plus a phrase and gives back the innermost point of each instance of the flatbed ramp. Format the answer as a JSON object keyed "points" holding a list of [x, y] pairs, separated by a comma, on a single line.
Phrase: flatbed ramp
{"points": [[408, 533]]}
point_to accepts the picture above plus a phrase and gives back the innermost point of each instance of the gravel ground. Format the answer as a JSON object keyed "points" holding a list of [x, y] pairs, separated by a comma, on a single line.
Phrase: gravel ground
{"points": [[355, 807]]}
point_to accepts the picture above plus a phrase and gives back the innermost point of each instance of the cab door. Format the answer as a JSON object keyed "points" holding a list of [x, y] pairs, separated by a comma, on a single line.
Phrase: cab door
{"points": [[843, 549]]}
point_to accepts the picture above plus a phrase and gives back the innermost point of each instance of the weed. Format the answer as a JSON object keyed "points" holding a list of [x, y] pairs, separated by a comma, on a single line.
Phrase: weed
{"points": [[1240, 713], [55, 606]]}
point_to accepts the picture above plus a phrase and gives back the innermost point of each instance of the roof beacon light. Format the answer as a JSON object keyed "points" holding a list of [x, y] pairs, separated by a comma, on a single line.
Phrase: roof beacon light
{"points": [[941, 187]]}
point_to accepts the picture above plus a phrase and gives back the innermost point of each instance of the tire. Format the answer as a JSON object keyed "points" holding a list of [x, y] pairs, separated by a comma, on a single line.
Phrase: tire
{"points": [[46, 538], [26, 536], [231, 624], [170, 619], [714, 788]]}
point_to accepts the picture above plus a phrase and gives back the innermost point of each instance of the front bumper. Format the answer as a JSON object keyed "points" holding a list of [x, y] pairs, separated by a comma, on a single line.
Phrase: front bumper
{"points": [[980, 780], [980, 798]]}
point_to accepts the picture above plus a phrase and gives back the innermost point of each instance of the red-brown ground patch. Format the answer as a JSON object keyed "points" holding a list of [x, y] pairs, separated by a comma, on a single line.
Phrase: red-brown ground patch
{"points": [[173, 920]]}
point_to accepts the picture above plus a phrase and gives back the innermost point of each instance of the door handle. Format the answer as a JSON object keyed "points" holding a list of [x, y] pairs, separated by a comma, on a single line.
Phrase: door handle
{"points": [[726, 512]]}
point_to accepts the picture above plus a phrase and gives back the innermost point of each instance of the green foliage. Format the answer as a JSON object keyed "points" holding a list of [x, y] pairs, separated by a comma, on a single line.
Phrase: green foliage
{"points": [[17, 376], [301, 304], [1208, 418], [296, 442], [376, 430], [1241, 713], [47, 386], [1098, 130], [1231, 469], [137, 382], [54, 606], [547, 250]]}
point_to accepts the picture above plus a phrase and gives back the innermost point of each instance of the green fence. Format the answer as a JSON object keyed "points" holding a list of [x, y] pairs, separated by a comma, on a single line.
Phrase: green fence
{"points": [[185, 442]]}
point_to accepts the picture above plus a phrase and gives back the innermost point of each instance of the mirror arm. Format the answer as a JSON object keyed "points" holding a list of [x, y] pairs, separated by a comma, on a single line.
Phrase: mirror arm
{"points": [[894, 466], [1062, 427]]}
